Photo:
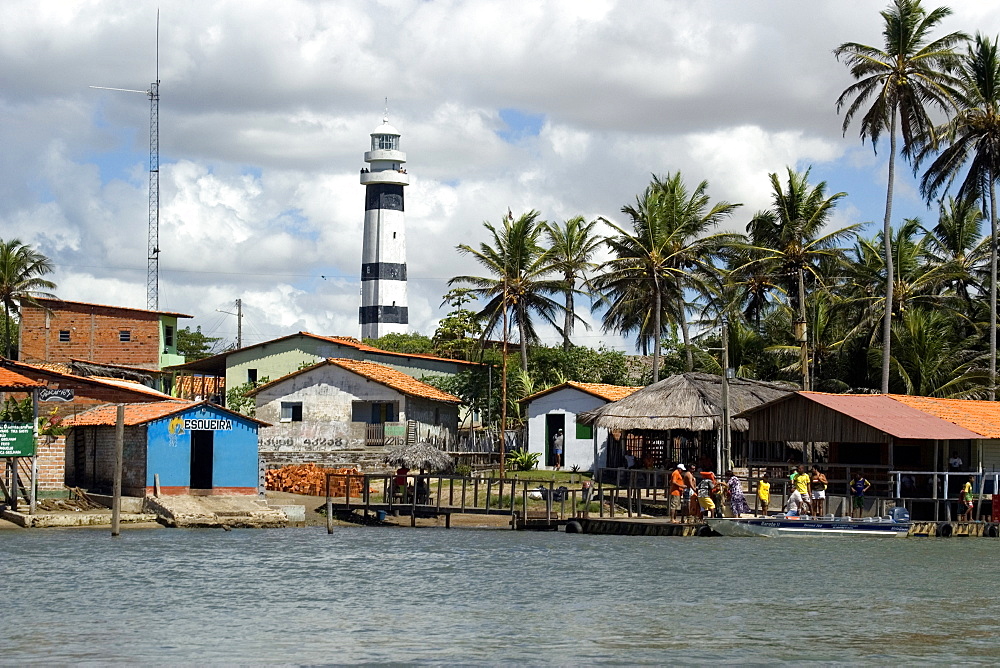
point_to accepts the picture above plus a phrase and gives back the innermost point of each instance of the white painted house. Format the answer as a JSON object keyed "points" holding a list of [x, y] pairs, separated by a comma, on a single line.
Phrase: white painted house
{"points": [[556, 408], [344, 411]]}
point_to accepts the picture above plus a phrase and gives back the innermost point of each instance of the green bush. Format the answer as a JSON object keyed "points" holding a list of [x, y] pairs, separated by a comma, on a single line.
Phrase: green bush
{"points": [[522, 460]]}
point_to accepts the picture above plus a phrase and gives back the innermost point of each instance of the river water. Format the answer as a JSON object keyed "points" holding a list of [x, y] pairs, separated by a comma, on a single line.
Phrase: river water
{"points": [[476, 596]]}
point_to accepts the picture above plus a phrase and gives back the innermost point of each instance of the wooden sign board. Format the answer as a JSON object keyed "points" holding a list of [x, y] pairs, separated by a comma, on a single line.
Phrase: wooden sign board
{"points": [[17, 439]]}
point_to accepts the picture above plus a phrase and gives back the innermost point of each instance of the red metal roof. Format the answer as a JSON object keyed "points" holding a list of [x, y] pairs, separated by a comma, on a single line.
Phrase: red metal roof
{"points": [[885, 413]]}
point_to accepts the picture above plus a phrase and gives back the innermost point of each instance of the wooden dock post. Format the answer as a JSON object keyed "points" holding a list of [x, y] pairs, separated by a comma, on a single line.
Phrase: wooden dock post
{"points": [[489, 492], [116, 499], [451, 490], [413, 504], [464, 479], [600, 496], [439, 493], [329, 507]]}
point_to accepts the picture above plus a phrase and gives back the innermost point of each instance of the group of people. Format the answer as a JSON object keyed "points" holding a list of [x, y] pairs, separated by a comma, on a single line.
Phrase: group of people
{"points": [[808, 491], [695, 492]]}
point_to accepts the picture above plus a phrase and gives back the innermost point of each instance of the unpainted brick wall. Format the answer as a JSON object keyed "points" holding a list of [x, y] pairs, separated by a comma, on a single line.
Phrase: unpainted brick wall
{"points": [[51, 453], [98, 467], [94, 335]]}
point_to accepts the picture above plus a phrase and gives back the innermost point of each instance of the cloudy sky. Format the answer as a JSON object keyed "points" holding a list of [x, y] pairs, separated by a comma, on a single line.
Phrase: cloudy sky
{"points": [[266, 110]]}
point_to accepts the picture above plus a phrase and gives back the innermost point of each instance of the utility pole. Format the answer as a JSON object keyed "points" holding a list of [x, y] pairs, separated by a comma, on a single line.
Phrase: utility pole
{"points": [[802, 333], [239, 321], [726, 431]]}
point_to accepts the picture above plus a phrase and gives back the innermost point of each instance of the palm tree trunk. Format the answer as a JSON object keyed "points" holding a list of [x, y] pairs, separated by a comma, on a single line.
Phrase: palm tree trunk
{"points": [[570, 312], [524, 339], [658, 301], [685, 334], [993, 288], [889, 271]]}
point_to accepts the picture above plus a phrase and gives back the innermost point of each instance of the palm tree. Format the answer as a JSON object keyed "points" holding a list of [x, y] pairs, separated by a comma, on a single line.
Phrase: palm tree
{"points": [[572, 245], [930, 359], [956, 244], [973, 146], [787, 242], [520, 282], [905, 81], [658, 260], [21, 282]]}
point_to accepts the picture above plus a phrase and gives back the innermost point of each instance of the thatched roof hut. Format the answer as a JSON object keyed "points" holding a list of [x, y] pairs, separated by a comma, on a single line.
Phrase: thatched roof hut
{"points": [[420, 455], [687, 401]]}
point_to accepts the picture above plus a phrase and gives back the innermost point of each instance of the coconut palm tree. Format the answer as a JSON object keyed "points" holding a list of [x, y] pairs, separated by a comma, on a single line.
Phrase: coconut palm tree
{"points": [[659, 259], [904, 81], [972, 147], [520, 281], [787, 241], [21, 282], [956, 243], [930, 359], [572, 246]]}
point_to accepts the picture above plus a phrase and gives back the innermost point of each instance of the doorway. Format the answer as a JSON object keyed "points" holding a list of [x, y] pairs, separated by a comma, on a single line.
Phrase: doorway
{"points": [[202, 456], [553, 423]]}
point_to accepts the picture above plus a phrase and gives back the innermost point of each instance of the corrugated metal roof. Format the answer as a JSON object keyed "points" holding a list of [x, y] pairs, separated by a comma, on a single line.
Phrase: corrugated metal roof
{"points": [[887, 414]]}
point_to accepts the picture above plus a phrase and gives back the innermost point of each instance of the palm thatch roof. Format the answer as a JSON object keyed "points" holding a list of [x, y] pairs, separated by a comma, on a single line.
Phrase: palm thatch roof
{"points": [[419, 456], [690, 401]]}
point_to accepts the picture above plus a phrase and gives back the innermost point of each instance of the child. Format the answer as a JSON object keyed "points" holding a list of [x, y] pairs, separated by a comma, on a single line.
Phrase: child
{"points": [[763, 495], [965, 501]]}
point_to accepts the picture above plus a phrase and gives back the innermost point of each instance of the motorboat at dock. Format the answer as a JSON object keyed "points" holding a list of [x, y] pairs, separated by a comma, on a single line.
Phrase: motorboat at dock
{"points": [[897, 524]]}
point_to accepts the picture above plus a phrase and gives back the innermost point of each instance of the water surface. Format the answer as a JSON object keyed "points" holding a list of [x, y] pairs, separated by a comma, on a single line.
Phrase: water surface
{"points": [[465, 596]]}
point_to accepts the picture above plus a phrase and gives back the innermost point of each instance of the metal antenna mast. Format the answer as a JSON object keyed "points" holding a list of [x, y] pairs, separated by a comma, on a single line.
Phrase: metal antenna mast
{"points": [[153, 232]]}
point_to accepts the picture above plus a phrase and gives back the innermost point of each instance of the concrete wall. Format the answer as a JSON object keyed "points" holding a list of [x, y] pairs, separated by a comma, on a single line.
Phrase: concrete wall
{"points": [[576, 451]]}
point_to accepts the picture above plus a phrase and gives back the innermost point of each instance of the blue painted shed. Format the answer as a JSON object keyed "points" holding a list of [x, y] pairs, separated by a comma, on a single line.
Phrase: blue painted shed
{"points": [[193, 447]]}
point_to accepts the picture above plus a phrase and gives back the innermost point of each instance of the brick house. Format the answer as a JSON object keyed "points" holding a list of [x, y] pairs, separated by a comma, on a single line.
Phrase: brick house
{"points": [[192, 447], [60, 331]]}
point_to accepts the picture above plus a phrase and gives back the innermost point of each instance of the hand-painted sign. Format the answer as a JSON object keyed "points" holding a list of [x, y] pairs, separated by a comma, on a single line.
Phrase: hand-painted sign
{"points": [[17, 439], [55, 395], [208, 425], [395, 430]]}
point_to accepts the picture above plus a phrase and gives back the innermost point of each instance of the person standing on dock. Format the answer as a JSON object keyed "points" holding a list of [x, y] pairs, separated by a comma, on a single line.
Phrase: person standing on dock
{"points": [[859, 485], [737, 501], [557, 448], [800, 490], [818, 484], [763, 494], [691, 506], [706, 486], [677, 486], [965, 500]]}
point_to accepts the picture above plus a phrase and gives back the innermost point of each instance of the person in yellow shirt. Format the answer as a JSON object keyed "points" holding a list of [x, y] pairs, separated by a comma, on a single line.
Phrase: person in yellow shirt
{"points": [[763, 495], [965, 501], [798, 502]]}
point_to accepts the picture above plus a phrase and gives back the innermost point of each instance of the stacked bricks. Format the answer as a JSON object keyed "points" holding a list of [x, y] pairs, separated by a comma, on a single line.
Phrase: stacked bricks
{"points": [[51, 452], [311, 480]]}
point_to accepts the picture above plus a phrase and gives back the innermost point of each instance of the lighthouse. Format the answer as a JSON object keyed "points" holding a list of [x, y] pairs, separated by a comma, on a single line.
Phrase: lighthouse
{"points": [[383, 257]]}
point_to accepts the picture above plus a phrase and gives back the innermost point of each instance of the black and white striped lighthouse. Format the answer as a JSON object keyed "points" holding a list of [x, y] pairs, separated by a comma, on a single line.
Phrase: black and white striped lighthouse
{"points": [[383, 257]]}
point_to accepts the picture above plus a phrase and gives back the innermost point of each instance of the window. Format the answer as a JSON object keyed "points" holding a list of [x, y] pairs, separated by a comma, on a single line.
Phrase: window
{"points": [[168, 336], [291, 411], [584, 431], [63, 335], [251, 375], [124, 335]]}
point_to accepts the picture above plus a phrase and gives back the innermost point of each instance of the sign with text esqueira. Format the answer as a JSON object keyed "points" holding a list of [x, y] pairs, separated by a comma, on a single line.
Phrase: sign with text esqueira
{"points": [[17, 439]]}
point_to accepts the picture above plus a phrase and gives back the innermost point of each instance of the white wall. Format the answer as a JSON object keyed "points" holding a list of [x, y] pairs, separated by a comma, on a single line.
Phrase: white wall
{"points": [[569, 402]]}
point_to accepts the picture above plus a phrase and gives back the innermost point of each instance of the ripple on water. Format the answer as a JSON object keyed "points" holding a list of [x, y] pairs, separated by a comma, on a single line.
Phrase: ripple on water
{"points": [[380, 595]]}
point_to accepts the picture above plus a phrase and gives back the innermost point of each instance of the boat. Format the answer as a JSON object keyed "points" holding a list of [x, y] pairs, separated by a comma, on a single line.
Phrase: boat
{"points": [[897, 524]]}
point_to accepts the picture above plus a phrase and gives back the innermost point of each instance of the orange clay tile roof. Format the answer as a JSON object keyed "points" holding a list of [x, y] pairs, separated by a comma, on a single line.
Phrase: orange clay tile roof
{"points": [[982, 417], [364, 347], [379, 373], [599, 390], [11, 380], [136, 414]]}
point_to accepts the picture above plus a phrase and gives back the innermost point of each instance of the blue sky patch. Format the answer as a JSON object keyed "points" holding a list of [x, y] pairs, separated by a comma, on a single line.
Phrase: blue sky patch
{"points": [[520, 124]]}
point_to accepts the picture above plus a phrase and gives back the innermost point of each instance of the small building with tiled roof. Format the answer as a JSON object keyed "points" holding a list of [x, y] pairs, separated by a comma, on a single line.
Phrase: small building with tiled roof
{"points": [[345, 411], [279, 357], [187, 447], [553, 411]]}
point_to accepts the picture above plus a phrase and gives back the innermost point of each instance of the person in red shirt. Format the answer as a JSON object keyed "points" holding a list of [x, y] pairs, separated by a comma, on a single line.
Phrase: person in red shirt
{"points": [[677, 487]]}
